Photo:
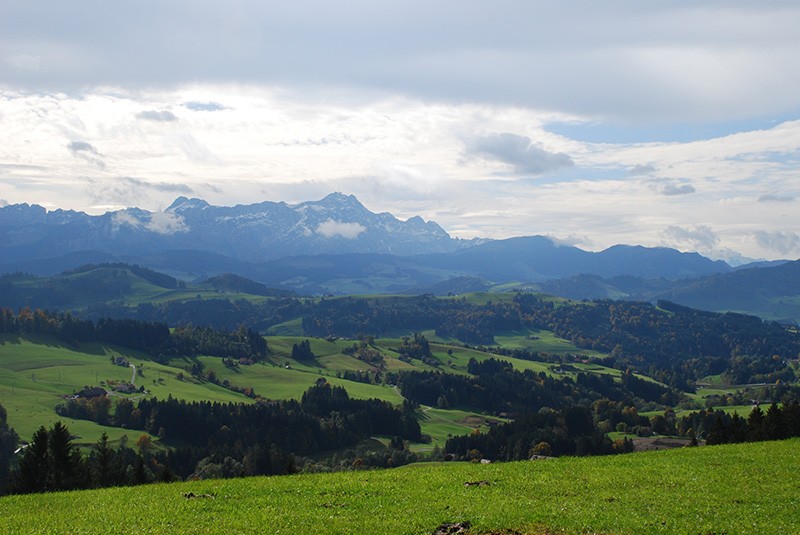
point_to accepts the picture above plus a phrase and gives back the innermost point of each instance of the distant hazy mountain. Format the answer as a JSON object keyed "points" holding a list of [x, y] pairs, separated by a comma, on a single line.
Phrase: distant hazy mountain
{"points": [[334, 245], [518, 260], [254, 233], [537, 258], [770, 290]]}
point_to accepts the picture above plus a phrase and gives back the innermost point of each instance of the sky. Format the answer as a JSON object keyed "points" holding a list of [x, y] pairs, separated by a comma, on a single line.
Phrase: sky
{"points": [[595, 123]]}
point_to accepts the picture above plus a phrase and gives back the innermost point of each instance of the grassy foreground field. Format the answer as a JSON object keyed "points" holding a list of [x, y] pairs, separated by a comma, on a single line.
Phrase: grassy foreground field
{"points": [[747, 488]]}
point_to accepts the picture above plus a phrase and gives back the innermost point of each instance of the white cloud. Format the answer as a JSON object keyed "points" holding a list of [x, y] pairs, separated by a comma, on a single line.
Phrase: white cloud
{"points": [[160, 222], [125, 218], [25, 62], [162, 116], [782, 242], [571, 241], [399, 155], [331, 228], [166, 223], [700, 238]]}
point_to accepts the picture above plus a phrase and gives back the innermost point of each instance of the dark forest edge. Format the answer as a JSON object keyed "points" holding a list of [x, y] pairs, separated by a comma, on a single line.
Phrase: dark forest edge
{"points": [[50, 462]]}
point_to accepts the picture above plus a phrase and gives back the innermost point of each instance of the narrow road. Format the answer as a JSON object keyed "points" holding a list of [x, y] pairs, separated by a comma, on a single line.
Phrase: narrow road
{"points": [[133, 377]]}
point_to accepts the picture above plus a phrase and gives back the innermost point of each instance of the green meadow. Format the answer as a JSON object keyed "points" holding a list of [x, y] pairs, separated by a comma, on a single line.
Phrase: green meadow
{"points": [[745, 488], [37, 373]]}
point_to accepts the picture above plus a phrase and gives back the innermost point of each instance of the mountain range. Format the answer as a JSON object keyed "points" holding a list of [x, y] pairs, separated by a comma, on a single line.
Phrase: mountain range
{"points": [[338, 246], [192, 235], [253, 233]]}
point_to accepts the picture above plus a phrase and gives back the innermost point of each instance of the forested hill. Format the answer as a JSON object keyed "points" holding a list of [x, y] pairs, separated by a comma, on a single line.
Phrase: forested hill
{"points": [[671, 343], [770, 291]]}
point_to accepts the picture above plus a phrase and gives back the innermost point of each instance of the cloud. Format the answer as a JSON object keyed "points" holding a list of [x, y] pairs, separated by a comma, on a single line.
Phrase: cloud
{"points": [[81, 146], [571, 241], [772, 197], [168, 187], [125, 217], [642, 169], [781, 242], [157, 116], [600, 59], [331, 228], [166, 223], [519, 152], [159, 222], [204, 106], [130, 191], [194, 149], [701, 238], [86, 151], [673, 189], [26, 62]]}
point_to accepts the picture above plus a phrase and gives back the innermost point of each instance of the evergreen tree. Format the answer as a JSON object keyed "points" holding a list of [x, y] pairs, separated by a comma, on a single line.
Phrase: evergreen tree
{"points": [[8, 443], [31, 476], [50, 463], [755, 424], [774, 427], [101, 463], [65, 461], [302, 351]]}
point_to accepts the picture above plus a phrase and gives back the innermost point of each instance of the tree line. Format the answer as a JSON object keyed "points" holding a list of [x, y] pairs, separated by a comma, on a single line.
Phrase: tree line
{"points": [[570, 431], [495, 387], [248, 439], [152, 338], [719, 427]]}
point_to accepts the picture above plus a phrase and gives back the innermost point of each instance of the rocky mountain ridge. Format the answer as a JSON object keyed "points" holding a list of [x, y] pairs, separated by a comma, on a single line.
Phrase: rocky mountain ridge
{"points": [[258, 232]]}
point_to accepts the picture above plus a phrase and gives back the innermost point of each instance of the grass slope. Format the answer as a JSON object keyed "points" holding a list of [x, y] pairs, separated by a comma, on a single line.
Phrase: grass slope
{"points": [[36, 373], [746, 488]]}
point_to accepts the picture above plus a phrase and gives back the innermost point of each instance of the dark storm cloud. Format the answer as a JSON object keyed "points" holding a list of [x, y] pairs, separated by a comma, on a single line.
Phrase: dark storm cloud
{"points": [[158, 116], [517, 151]]}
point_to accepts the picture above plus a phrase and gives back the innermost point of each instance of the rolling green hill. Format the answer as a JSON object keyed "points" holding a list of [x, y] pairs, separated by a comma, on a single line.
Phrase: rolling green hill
{"points": [[38, 372], [747, 488], [121, 284]]}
